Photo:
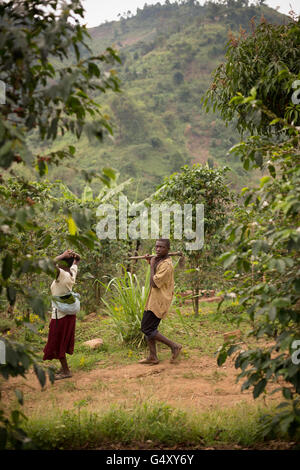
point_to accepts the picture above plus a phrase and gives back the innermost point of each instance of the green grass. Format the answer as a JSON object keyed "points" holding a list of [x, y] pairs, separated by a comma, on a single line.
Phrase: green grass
{"points": [[146, 425]]}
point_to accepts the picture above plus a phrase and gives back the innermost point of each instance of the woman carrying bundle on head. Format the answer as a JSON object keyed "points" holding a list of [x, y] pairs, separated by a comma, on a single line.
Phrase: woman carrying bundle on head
{"points": [[65, 305]]}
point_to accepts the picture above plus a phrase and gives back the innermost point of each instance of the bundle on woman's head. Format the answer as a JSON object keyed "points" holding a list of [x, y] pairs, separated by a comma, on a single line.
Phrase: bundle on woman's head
{"points": [[69, 260]]}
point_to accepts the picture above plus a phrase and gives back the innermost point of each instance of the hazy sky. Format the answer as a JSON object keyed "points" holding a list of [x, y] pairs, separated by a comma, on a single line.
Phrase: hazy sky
{"points": [[97, 11]]}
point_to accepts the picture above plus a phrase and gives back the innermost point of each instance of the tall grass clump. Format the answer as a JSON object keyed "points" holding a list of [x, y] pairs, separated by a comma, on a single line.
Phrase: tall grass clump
{"points": [[125, 305]]}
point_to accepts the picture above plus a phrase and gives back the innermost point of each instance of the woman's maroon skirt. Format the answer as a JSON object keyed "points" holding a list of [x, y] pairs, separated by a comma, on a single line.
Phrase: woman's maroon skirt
{"points": [[61, 338]]}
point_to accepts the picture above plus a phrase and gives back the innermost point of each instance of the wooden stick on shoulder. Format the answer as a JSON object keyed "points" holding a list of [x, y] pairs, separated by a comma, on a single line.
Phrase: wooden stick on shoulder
{"points": [[175, 253]]}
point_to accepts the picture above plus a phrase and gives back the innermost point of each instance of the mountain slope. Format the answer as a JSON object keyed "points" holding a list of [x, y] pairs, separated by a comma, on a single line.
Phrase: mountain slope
{"points": [[168, 54]]}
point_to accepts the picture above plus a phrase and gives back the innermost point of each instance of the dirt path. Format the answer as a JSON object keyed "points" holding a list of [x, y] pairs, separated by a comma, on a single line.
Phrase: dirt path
{"points": [[195, 383]]}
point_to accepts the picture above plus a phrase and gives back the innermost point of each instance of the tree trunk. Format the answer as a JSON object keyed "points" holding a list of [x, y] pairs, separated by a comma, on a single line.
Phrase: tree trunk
{"points": [[97, 293]]}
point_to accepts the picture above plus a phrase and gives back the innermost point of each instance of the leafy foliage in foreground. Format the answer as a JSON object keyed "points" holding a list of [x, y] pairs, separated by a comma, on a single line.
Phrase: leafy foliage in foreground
{"points": [[47, 100], [264, 235], [269, 65]]}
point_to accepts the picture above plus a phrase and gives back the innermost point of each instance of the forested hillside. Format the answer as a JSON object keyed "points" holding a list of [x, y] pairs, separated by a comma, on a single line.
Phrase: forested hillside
{"points": [[168, 53]]}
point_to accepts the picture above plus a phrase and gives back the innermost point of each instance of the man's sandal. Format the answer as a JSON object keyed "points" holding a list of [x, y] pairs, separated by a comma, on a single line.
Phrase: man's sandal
{"points": [[148, 361], [176, 353]]}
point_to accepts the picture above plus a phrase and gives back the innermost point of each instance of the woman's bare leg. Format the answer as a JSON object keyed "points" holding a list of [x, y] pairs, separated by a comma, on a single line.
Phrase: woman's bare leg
{"points": [[64, 365]]}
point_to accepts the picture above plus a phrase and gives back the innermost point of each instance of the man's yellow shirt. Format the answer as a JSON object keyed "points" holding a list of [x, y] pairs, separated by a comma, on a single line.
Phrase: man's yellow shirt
{"points": [[160, 297]]}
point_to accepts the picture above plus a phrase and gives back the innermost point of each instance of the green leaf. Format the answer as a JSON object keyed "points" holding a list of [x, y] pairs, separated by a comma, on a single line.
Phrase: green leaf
{"points": [[46, 241], [285, 423], [26, 155], [246, 164], [87, 194], [72, 149], [109, 172], [51, 375], [272, 311], [275, 121], [7, 266], [11, 294], [264, 180], [248, 199], [260, 245], [3, 438], [93, 69], [229, 261], [11, 356], [15, 417], [38, 306], [296, 284], [42, 167], [282, 302], [232, 349], [19, 396], [5, 149], [287, 393], [222, 358], [259, 388], [40, 373], [277, 264], [283, 404], [272, 170]]}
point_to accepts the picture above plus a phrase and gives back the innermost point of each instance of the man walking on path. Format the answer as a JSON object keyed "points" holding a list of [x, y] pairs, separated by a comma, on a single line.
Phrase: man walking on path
{"points": [[159, 301]]}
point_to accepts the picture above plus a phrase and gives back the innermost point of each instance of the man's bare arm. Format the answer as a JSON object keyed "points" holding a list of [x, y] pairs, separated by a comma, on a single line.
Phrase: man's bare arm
{"points": [[152, 264], [151, 260]]}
